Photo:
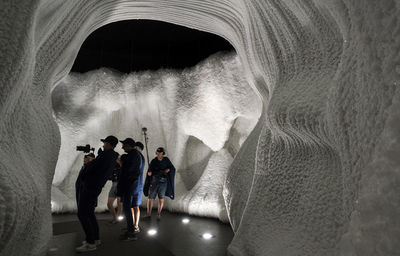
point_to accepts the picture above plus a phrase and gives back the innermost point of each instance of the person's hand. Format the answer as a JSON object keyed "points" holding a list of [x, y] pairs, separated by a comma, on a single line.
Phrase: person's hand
{"points": [[167, 170], [149, 173]]}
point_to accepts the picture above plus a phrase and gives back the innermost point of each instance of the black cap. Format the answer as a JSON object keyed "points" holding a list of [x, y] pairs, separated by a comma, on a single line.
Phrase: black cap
{"points": [[140, 145], [160, 149], [128, 141], [111, 139]]}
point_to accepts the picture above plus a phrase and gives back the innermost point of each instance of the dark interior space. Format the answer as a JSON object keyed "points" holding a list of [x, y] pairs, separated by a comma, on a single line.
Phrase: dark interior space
{"points": [[135, 45], [173, 237]]}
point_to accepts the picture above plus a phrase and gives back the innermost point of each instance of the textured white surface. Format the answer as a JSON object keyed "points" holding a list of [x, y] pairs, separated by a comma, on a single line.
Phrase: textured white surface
{"points": [[325, 179], [201, 116]]}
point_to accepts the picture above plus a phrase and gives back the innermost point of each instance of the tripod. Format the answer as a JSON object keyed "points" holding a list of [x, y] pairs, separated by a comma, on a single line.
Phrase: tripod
{"points": [[144, 130]]}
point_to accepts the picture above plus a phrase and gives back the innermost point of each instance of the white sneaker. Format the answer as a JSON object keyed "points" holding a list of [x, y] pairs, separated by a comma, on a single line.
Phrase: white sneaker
{"points": [[86, 247], [97, 242], [137, 229]]}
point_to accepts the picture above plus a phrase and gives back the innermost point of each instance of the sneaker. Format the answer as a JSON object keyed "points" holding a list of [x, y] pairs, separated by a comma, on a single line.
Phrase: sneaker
{"points": [[86, 247], [137, 229], [97, 242], [128, 237]]}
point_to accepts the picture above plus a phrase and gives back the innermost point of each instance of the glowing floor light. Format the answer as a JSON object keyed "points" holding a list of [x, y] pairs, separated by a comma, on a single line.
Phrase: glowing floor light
{"points": [[152, 232], [207, 236], [185, 221], [120, 217]]}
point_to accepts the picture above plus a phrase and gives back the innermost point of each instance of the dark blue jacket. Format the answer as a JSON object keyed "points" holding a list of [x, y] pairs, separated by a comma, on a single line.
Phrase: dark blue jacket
{"points": [[140, 179], [97, 171], [130, 172], [157, 168]]}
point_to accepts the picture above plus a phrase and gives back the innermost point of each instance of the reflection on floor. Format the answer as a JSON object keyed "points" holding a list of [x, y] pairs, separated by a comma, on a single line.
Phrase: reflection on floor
{"points": [[173, 237]]}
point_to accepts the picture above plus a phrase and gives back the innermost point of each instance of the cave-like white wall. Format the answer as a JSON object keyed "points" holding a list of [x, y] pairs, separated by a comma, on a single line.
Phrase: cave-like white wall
{"points": [[200, 115], [325, 174]]}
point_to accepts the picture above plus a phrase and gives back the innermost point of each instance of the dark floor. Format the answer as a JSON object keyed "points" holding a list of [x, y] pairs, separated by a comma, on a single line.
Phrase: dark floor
{"points": [[173, 236]]}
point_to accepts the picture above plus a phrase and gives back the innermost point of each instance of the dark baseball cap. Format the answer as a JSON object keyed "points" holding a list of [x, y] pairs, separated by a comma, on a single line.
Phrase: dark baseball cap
{"points": [[111, 139], [128, 141], [140, 145], [160, 149]]}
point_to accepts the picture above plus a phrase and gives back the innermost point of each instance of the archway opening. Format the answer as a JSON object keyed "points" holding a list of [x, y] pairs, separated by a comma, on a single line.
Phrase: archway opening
{"points": [[185, 86]]}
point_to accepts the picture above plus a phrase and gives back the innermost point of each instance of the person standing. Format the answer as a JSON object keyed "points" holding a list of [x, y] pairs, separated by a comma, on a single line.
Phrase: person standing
{"points": [[127, 186], [93, 180], [159, 181], [112, 195], [78, 184], [139, 186]]}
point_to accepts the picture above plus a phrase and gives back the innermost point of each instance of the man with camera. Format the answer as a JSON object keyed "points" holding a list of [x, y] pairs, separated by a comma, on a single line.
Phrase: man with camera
{"points": [[131, 173], [93, 180], [78, 184]]}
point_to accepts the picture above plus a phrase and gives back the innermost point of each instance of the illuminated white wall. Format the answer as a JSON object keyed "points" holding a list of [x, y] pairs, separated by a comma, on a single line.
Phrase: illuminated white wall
{"points": [[319, 175], [200, 115]]}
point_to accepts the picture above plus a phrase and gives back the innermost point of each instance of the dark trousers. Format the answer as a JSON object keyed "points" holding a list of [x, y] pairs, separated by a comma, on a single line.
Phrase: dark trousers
{"points": [[78, 186], [127, 199], [86, 204]]}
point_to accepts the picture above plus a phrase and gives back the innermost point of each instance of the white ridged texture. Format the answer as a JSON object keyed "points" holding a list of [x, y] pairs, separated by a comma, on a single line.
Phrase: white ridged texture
{"points": [[320, 173], [201, 116]]}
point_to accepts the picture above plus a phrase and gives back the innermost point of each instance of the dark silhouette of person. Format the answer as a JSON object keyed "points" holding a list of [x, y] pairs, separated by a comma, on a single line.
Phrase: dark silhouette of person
{"points": [[93, 180]]}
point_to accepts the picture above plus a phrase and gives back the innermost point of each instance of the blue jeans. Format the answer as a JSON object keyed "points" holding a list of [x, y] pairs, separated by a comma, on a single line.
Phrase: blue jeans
{"points": [[129, 201], [158, 187]]}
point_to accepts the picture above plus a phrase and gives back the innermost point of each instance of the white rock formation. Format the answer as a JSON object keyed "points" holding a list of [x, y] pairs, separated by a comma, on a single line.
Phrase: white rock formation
{"points": [[324, 180], [200, 115]]}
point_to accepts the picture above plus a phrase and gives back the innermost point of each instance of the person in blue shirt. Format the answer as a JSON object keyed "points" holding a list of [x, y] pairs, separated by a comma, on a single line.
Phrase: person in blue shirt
{"points": [[127, 189], [139, 186], [159, 181]]}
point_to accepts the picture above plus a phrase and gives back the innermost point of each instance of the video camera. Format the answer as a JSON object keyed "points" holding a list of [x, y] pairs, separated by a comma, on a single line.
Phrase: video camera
{"points": [[85, 149]]}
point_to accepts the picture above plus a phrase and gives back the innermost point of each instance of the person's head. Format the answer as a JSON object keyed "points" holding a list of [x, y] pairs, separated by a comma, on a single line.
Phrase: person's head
{"points": [[139, 146], [110, 142], [88, 158], [128, 144], [160, 152]]}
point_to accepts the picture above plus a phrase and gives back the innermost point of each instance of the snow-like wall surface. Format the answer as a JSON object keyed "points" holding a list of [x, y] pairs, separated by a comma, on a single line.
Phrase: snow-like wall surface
{"points": [[319, 175], [201, 116]]}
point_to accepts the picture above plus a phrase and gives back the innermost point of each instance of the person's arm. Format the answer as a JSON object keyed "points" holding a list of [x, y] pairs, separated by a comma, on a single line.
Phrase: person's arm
{"points": [[169, 165], [134, 167], [151, 167], [92, 166]]}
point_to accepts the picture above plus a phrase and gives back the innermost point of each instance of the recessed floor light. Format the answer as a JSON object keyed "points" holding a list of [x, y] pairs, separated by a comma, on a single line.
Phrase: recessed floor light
{"points": [[185, 220], [207, 236], [152, 232]]}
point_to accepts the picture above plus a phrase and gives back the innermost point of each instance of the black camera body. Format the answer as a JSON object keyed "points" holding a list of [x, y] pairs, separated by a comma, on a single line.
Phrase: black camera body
{"points": [[85, 149]]}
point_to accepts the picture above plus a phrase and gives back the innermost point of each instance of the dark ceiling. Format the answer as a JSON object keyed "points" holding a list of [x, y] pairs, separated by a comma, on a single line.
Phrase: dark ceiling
{"points": [[135, 45]]}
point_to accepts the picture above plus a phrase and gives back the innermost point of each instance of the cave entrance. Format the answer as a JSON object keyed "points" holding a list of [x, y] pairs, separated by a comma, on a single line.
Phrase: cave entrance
{"points": [[187, 87], [138, 45]]}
